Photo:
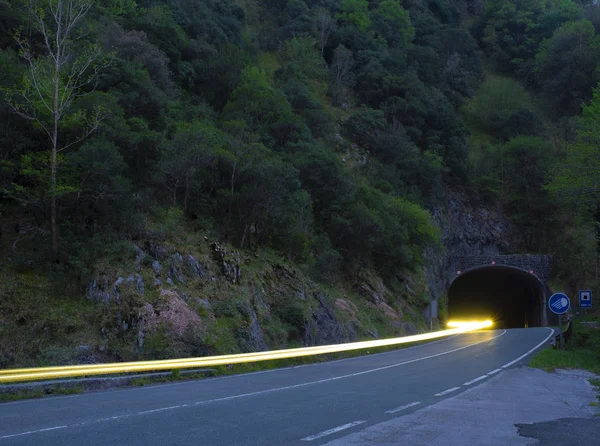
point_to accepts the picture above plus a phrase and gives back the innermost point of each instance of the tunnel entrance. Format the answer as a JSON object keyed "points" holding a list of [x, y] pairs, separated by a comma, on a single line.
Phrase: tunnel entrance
{"points": [[511, 297]]}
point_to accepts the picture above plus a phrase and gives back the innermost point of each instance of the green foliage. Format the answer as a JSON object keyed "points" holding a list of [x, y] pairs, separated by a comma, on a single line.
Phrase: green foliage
{"points": [[566, 66], [264, 107], [576, 177], [186, 160], [354, 12], [511, 32], [393, 23], [582, 352], [503, 109]]}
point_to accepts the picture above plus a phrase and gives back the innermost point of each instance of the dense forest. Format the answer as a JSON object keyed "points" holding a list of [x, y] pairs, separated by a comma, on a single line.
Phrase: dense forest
{"points": [[323, 130]]}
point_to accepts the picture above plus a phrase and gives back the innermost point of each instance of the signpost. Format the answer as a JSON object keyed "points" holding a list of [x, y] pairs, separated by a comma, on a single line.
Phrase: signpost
{"points": [[559, 304], [585, 299]]}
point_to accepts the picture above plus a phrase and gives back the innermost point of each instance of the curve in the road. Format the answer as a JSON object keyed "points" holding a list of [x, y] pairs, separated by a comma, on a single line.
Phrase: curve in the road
{"points": [[273, 408]]}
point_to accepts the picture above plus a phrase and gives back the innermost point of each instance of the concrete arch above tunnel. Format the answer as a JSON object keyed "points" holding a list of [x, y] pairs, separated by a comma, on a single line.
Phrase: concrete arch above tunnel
{"points": [[511, 296]]}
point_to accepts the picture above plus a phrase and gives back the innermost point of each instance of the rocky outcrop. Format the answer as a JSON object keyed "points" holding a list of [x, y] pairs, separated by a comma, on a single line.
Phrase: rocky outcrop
{"points": [[229, 261], [253, 340], [193, 267], [323, 327], [176, 267], [171, 312]]}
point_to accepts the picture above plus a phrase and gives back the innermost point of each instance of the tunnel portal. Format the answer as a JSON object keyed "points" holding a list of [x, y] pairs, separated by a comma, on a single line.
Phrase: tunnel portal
{"points": [[513, 298]]}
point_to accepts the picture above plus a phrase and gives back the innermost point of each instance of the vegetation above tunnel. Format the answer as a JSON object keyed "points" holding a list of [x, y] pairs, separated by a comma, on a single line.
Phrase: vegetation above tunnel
{"points": [[320, 130]]}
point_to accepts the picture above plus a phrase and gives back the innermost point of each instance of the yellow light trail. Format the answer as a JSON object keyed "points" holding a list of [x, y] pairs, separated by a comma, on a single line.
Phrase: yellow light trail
{"points": [[44, 373], [458, 324]]}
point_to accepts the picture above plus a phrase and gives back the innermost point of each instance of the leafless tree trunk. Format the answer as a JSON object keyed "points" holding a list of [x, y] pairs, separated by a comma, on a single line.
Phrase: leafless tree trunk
{"points": [[56, 78], [324, 24], [341, 71]]}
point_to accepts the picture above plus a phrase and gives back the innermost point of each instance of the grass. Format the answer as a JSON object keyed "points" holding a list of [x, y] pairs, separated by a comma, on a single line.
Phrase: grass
{"points": [[582, 351], [175, 375], [550, 360], [26, 394], [596, 384]]}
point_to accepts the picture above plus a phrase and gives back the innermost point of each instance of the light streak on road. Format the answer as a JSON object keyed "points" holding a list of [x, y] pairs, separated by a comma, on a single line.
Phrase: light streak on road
{"points": [[45, 373]]}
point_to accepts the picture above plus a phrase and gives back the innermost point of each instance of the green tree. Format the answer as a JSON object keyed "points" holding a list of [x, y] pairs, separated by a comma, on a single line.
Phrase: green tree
{"points": [[256, 101], [576, 178], [511, 31], [354, 12], [503, 108], [184, 159], [393, 23], [526, 163], [566, 67]]}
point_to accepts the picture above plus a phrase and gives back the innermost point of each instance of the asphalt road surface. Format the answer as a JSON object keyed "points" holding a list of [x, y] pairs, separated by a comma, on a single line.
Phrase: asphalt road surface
{"points": [[302, 405]]}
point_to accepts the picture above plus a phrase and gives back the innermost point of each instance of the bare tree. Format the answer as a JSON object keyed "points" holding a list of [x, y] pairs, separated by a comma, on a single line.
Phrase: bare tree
{"points": [[324, 25], [341, 72], [64, 71]]}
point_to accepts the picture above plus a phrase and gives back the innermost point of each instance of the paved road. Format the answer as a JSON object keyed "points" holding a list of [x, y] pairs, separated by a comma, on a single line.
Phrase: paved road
{"points": [[302, 405]]}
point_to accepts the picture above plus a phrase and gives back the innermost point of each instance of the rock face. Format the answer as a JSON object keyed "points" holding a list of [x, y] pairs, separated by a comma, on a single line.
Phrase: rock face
{"points": [[229, 260], [176, 310], [172, 312], [176, 267], [324, 327], [193, 267], [469, 228], [254, 339]]}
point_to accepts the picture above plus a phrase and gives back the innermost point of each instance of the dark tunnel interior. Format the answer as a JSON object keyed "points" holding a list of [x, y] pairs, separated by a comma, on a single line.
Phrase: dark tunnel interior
{"points": [[512, 298]]}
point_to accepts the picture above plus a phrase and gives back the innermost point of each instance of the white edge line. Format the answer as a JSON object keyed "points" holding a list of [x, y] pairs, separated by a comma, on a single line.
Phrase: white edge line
{"points": [[333, 431], [479, 378], [262, 392], [445, 392], [493, 372], [33, 432], [406, 406], [530, 351]]}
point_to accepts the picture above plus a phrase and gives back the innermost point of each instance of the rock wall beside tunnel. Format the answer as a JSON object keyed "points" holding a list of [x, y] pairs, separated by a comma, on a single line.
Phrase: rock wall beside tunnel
{"points": [[469, 227]]}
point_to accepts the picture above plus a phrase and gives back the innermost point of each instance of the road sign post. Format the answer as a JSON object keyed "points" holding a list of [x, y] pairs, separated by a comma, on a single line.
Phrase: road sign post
{"points": [[560, 338], [559, 304]]}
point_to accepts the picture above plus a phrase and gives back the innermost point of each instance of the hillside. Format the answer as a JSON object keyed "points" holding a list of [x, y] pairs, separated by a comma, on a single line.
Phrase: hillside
{"points": [[192, 177]]}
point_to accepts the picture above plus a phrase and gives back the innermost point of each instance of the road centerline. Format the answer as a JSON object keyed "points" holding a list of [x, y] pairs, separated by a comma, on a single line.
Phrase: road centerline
{"points": [[261, 392]]}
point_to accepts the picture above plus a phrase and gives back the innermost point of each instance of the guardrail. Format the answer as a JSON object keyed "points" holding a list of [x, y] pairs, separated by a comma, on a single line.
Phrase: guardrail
{"points": [[45, 373], [566, 337]]}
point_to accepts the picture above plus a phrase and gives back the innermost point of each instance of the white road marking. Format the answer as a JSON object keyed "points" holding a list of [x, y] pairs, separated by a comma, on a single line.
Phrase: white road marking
{"points": [[530, 351], [445, 392], [468, 383], [406, 406], [333, 431], [33, 432], [493, 372], [263, 392]]}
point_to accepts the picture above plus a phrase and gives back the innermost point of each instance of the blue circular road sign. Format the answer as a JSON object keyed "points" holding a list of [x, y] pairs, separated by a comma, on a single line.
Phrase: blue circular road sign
{"points": [[559, 303]]}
